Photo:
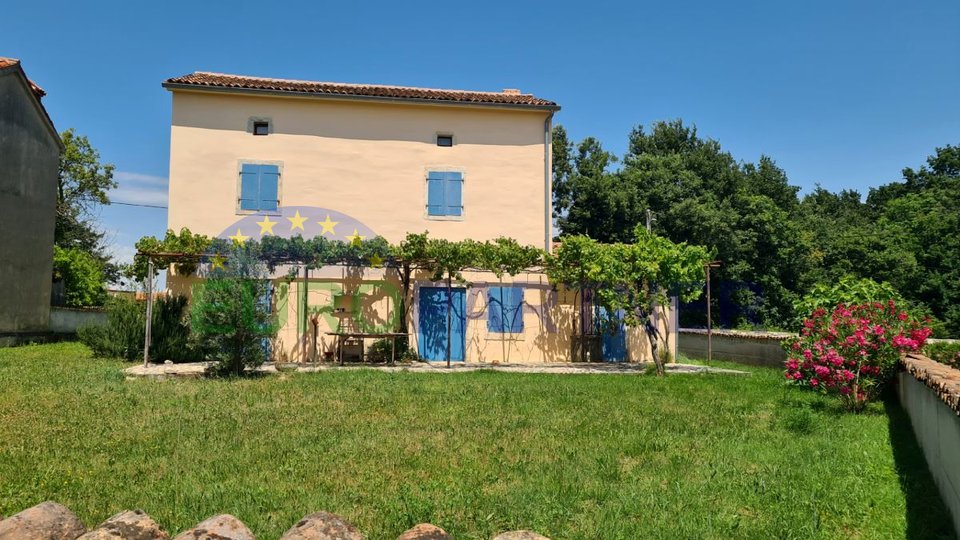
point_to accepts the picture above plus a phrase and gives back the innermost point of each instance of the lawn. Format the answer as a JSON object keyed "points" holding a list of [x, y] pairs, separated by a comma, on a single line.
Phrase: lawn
{"points": [[571, 456]]}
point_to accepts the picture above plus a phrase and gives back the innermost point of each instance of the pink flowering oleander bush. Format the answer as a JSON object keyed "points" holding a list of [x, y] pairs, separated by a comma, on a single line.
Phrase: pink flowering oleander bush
{"points": [[853, 350]]}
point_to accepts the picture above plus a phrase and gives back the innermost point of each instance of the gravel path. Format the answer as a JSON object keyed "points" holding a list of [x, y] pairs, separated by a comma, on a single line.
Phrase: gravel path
{"points": [[196, 369]]}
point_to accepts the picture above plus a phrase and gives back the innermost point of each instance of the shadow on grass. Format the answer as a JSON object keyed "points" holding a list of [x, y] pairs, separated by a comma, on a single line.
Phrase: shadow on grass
{"points": [[927, 517]]}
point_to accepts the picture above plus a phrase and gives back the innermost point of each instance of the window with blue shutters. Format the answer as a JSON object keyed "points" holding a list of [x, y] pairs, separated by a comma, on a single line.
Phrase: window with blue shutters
{"points": [[259, 187], [444, 194], [505, 310]]}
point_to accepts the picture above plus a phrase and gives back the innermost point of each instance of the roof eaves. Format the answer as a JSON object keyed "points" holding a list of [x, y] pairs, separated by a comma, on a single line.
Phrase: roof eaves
{"points": [[355, 97]]}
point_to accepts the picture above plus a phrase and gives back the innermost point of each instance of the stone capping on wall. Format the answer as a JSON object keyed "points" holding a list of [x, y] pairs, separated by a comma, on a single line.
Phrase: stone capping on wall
{"points": [[744, 334], [942, 379]]}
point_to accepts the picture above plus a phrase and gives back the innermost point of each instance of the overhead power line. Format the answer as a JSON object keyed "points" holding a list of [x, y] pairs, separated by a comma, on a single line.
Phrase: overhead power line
{"points": [[137, 204]]}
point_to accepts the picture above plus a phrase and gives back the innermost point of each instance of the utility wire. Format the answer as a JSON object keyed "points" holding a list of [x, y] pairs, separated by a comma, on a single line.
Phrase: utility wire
{"points": [[137, 204]]}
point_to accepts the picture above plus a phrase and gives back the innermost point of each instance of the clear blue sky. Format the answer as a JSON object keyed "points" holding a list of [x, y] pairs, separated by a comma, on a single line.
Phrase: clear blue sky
{"points": [[844, 93]]}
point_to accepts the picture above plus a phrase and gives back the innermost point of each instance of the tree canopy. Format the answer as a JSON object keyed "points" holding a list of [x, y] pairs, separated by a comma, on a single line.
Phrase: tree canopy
{"points": [[775, 245]]}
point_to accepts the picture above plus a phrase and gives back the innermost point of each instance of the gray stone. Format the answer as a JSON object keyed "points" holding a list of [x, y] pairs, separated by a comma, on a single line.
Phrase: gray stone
{"points": [[128, 525], [425, 531], [520, 535], [221, 527], [322, 526], [45, 521]]}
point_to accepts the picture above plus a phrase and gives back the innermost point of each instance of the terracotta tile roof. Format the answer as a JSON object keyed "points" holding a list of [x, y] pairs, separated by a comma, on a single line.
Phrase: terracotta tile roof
{"points": [[10, 62], [511, 98]]}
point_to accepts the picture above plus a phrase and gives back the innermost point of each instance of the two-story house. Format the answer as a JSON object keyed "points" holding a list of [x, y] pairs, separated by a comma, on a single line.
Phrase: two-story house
{"points": [[253, 156]]}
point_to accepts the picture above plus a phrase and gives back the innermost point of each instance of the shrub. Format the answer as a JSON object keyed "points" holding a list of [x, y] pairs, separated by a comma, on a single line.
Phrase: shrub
{"points": [[944, 352], [852, 350], [122, 336], [850, 290], [231, 317], [380, 350], [82, 277]]}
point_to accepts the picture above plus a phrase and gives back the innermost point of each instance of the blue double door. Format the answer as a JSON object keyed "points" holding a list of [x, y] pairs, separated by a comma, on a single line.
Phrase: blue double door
{"points": [[432, 337], [614, 335]]}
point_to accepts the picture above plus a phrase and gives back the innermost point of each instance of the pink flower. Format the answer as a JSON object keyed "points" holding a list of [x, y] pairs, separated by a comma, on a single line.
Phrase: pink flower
{"points": [[814, 382]]}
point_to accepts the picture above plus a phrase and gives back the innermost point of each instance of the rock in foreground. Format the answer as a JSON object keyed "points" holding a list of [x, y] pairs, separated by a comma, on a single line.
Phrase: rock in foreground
{"points": [[425, 531], [520, 535], [322, 526], [128, 525], [45, 521], [222, 527]]}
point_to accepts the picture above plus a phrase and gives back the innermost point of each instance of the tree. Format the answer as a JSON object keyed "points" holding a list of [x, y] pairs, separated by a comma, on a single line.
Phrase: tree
{"points": [[231, 315], [644, 274], [408, 254], [586, 195], [82, 277], [635, 278], [579, 263], [82, 185]]}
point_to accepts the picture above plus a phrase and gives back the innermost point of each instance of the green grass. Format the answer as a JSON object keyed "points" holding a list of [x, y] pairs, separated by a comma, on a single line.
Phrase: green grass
{"points": [[582, 456]]}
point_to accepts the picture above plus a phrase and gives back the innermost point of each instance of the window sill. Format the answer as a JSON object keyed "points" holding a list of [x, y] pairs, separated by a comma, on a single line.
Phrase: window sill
{"points": [[258, 213], [443, 218], [492, 336]]}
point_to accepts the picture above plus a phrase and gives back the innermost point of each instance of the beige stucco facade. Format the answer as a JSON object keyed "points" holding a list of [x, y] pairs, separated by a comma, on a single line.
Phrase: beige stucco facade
{"points": [[367, 160], [364, 164]]}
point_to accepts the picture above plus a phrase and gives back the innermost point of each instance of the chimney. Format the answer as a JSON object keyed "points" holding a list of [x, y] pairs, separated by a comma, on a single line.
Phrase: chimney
{"points": [[511, 91]]}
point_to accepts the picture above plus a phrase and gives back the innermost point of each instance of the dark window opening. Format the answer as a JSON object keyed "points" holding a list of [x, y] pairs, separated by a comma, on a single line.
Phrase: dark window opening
{"points": [[444, 140], [261, 128]]}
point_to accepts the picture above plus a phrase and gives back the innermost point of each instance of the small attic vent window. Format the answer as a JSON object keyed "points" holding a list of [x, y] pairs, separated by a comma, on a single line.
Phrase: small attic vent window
{"points": [[261, 128], [444, 140]]}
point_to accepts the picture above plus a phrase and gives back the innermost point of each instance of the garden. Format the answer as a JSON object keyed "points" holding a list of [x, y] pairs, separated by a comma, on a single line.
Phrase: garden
{"points": [[570, 456]]}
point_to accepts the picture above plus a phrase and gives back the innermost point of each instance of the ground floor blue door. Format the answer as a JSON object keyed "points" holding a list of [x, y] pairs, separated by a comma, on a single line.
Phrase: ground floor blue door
{"points": [[432, 334], [614, 343]]}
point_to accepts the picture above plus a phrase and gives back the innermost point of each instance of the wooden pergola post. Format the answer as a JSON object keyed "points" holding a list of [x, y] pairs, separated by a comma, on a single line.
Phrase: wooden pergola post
{"points": [[149, 319]]}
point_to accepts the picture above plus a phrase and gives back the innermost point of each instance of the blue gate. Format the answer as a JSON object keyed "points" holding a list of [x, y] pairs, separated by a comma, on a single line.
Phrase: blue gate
{"points": [[432, 334]]}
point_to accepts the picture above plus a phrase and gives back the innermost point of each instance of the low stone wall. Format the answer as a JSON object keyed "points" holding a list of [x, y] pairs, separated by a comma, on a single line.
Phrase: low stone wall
{"points": [[753, 348], [65, 320], [55, 521], [930, 393]]}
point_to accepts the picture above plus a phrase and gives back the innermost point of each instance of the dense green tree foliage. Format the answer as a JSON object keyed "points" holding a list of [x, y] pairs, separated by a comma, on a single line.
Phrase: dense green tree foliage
{"points": [[775, 246], [81, 275], [82, 186]]}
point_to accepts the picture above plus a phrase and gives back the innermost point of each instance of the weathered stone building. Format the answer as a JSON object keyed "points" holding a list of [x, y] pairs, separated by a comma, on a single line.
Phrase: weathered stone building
{"points": [[29, 154]]}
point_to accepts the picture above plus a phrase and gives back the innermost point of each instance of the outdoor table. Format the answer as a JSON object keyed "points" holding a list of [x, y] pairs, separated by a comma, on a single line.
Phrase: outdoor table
{"points": [[341, 336]]}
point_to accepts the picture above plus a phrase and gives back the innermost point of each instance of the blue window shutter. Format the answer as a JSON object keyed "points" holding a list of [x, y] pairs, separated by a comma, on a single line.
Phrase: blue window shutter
{"points": [[269, 187], [514, 309], [495, 309], [249, 186], [436, 200], [454, 194]]}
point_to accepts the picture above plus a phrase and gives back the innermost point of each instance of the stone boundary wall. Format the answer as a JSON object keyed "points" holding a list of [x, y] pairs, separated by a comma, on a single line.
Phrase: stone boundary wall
{"points": [[50, 520], [64, 320], [930, 393], [753, 348]]}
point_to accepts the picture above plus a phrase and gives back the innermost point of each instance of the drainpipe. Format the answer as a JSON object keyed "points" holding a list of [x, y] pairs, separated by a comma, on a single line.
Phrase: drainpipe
{"points": [[548, 182]]}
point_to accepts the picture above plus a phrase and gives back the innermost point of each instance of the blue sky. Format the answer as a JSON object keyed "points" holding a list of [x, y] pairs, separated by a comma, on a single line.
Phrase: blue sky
{"points": [[844, 93]]}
